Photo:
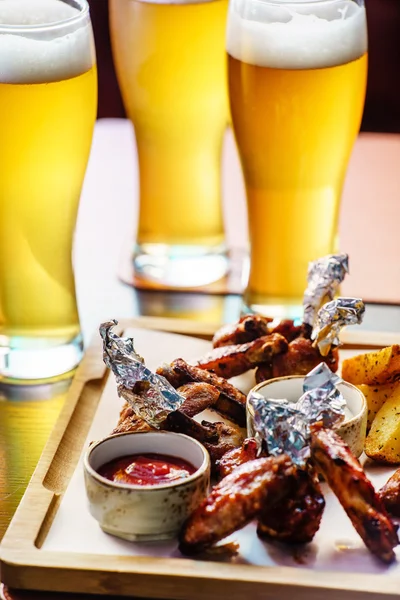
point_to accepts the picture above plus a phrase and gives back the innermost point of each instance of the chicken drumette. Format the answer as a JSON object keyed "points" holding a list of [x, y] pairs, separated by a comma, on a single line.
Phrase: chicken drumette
{"points": [[242, 346], [293, 513], [236, 501]]}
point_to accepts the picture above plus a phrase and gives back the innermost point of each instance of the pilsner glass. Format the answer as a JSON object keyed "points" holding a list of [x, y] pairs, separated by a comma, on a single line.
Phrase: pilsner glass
{"points": [[48, 102], [297, 80], [171, 67]]}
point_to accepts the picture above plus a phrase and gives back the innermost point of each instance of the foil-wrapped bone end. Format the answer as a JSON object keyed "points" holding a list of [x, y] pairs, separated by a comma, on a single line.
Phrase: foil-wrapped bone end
{"points": [[150, 395], [323, 279], [322, 402], [284, 427], [275, 424], [331, 319]]}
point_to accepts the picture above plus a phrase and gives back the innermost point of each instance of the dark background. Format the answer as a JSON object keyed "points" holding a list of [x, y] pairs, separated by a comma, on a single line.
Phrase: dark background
{"points": [[382, 109]]}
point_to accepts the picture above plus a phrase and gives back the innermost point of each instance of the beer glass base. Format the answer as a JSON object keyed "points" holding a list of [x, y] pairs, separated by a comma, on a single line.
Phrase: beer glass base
{"points": [[180, 266], [277, 308], [26, 360]]}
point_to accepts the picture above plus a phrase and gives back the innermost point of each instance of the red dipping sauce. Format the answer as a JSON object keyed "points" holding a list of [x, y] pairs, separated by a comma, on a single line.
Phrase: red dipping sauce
{"points": [[146, 469]]}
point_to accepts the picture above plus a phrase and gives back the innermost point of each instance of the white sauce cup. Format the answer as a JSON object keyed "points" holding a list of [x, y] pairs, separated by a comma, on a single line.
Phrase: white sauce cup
{"points": [[353, 430]]}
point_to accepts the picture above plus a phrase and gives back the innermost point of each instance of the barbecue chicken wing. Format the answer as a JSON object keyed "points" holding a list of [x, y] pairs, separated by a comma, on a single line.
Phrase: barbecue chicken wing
{"points": [[199, 396], [301, 358], [175, 378], [288, 329], [263, 372], [344, 474], [390, 494], [129, 421], [229, 361], [236, 457], [231, 402], [218, 437], [249, 328], [297, 517], [235, 501]]}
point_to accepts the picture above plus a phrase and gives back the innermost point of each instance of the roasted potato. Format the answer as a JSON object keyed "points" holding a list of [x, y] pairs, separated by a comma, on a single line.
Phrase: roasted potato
{"points": [[383, 441], [373, 368], [376, 396]]}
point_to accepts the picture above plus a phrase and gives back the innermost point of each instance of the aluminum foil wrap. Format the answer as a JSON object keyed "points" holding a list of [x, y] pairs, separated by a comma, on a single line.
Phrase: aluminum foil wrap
{"points": [[331, 319], [324, 277], [151, 396], [284, 427], [322, 402]]}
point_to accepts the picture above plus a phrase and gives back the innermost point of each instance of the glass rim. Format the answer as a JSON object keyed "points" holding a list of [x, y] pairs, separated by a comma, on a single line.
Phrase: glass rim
{"points": [[81, 5]]}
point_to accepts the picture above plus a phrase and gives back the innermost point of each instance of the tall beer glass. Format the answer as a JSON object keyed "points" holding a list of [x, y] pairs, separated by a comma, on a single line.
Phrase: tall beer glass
{"points": [[297, 79], [48, 100], [171, 66]]}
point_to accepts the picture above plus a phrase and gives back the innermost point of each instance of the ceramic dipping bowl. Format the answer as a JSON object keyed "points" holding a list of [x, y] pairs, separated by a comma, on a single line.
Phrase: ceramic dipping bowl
{"points": [[145, 512], [353, 429]]}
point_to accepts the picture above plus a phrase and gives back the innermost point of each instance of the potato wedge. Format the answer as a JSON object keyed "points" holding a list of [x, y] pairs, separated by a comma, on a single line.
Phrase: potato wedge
{"points": [[376, 396], [373, 368], [383, 440]]}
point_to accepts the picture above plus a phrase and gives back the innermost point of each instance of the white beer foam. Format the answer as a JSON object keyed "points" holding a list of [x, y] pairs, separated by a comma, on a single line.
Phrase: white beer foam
{"points": [[41, 56], [278, 36]]}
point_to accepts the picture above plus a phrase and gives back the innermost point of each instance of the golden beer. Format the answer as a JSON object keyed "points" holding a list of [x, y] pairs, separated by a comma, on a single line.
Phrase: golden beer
{"points": [[295, 125], [47, 114], [171, 66]]}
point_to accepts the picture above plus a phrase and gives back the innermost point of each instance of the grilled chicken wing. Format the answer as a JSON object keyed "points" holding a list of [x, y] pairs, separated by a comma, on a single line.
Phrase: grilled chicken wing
{"points": [[236, 457], [249, 328], [229, 361], [228, 439], [263, 372], [199, 396], [301, 358], [235, 501], [287, 328], [296, 519], [175, 378], [231, 403], [390, 494], [355, 492], [129, 421], [218, 437]]}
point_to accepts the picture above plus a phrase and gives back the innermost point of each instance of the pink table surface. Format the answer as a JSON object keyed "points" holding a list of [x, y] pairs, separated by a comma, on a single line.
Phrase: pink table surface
{"points": [[369, 219]]}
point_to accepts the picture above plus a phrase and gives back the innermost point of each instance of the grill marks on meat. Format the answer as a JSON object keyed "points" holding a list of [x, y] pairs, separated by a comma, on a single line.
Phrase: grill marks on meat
{"points": [[129, 421], [199, 396], [218, 438], [229, 361], [251, 327], [301, 358], [231, 403], [228, 438], [390, 494], [297, 518], [298, 358], [246, 330], [175, 378], [236, 501], [345, 476], [236, 457], [288, 329]]}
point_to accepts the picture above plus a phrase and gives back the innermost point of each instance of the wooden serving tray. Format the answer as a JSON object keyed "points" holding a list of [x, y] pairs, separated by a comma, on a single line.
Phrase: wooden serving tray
{"points": [[26, 564]]}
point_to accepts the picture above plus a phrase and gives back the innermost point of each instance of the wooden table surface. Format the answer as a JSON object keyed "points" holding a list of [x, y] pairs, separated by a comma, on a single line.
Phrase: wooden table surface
{"points": [[107, 217]]}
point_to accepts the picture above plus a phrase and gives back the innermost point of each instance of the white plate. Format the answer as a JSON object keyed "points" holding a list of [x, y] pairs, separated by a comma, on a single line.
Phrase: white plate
{"points": [[336, 547]]}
